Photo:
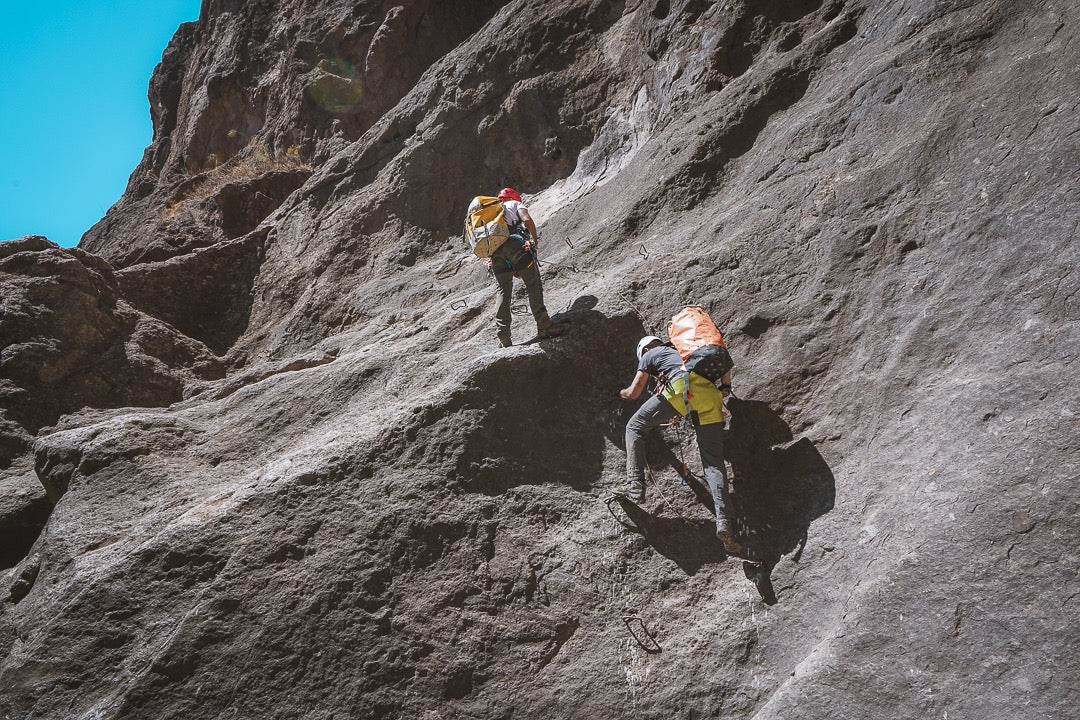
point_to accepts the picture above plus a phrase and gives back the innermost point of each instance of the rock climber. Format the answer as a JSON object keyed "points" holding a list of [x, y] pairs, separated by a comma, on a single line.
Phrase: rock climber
{"points": [[661, 361], [517, 256]]}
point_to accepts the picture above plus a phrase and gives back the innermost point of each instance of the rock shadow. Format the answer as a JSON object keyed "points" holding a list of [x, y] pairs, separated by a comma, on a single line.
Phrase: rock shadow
{"points": [[579, 313], [22, 518], [754, 30], [207, 294], [530, 417], [779, 487], [688, 543]]}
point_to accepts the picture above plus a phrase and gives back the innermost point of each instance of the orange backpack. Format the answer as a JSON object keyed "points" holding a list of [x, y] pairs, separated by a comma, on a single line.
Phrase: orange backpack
{"points": [[700, 343]]}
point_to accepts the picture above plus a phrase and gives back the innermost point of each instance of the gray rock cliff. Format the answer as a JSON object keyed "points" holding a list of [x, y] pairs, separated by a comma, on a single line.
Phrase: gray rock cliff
{"points": [[284, 470]]}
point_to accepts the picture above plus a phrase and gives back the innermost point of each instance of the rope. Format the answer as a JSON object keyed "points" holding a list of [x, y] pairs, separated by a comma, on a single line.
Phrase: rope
{"points": [[641, 315], [682, 455], [652, 479], [458, 304]]}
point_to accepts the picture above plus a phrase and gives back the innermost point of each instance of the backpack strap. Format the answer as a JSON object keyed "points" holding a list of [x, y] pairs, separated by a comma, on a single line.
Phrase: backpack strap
{"points": [[500, 266], [686, 395]]}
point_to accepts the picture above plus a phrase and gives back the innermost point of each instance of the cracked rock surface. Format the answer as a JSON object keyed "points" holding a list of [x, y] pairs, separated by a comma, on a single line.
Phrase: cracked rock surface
{"points": [[286, 470]]}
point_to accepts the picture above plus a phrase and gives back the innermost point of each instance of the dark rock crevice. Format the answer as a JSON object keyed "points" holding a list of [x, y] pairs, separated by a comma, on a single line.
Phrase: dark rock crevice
{"points": [[207, 294], [764, 97], [24, 510]]}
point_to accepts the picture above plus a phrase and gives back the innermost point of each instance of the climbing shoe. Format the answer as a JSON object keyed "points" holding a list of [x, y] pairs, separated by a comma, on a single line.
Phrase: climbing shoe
{"points": [[725, 535], [634, 492]]}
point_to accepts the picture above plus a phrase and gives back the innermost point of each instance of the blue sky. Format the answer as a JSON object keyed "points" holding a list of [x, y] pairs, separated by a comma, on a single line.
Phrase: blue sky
{"points": [[74, 118]]}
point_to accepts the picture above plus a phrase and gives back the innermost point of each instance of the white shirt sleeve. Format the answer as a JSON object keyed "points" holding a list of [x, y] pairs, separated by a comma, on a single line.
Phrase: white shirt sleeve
{"points": [[510, 211]]}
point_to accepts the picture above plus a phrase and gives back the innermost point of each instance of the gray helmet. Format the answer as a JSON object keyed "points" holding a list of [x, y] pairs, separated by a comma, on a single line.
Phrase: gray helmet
{"points": [[646, 342]]}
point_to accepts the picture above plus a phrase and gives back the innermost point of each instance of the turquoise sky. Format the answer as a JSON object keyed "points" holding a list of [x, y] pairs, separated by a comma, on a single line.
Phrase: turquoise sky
{"points": [[74, 118]]}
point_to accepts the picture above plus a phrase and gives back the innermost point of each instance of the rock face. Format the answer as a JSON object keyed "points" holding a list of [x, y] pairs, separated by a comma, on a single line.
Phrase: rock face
{"points": [[70, 341], [252, 96], [324, 491]]}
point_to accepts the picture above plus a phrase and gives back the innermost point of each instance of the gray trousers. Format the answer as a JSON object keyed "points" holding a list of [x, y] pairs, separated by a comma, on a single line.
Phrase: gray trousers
{"points": [[655, 412], [505, 280]]}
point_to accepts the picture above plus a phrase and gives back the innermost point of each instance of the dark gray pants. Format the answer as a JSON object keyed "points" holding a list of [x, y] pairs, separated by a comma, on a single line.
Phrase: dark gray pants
{"points": [[655, 412], [505, 280]]}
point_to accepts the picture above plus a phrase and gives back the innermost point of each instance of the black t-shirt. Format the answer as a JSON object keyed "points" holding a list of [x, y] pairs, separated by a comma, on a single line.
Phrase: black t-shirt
{"points": [[662, 362]]}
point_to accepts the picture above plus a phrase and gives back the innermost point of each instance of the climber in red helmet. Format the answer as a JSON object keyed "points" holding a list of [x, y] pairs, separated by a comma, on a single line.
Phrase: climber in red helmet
{"points": [[517, 256], [509, 194]]}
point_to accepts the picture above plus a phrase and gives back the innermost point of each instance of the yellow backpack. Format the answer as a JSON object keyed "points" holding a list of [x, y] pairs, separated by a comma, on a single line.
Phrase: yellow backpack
{"points": [[485, 226]]}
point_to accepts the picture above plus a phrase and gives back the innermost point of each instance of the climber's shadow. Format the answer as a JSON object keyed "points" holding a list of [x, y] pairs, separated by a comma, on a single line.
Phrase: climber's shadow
{"points": [[779, 487], [579, 313], [688, 543], [529, 418]]}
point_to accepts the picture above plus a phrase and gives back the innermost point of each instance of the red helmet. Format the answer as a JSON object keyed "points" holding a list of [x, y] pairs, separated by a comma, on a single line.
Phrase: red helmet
{"points": [[509, 194]]}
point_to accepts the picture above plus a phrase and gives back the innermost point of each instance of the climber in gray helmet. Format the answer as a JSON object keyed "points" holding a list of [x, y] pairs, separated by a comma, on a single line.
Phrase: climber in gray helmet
{"points": [[659, 360]]}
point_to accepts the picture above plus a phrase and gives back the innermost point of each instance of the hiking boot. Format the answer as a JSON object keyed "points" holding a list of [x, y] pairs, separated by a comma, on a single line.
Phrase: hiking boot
{"points": [[725, 535], [634, 492], [553, 330]]}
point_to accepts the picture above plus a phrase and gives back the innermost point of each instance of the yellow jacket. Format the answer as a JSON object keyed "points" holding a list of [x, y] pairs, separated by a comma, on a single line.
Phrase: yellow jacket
{"points": [[705, 398]]}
